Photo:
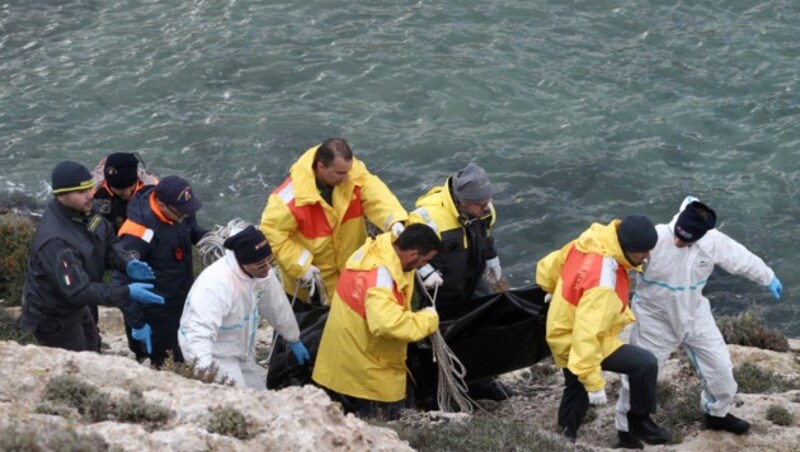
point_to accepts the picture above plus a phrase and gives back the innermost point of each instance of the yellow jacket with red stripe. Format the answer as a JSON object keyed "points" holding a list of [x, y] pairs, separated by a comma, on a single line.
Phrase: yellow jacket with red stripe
{"points": [[589, 281], [363, 348], [303, 229]]}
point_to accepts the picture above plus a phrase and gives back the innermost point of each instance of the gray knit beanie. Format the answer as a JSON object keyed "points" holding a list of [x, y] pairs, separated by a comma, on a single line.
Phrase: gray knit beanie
{"points": [[471, 184]]}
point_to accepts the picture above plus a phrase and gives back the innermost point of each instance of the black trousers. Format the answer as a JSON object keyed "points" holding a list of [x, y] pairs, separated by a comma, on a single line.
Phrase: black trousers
{"points": [[77, 333], [638, 364], [164, 340], [367, 409]]}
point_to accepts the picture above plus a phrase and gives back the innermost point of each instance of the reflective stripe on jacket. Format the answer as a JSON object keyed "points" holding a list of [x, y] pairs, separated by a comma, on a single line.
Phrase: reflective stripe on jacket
{"points": [[166, 246], [363, 348], [589, 281], [303, 229]]}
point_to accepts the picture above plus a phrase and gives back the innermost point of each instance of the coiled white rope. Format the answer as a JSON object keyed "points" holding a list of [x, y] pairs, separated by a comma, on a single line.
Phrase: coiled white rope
{"points": [[211, 246], [452, 393]]}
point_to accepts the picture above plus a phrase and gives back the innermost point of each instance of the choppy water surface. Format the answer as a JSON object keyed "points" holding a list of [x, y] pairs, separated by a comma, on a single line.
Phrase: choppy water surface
{"points": [[580, 110]]}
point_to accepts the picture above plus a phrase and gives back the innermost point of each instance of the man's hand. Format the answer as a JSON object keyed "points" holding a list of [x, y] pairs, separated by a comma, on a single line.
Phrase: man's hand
{"points": [[431, 278], [309, 280], [397, 229], [139, 271], [598, 398]]}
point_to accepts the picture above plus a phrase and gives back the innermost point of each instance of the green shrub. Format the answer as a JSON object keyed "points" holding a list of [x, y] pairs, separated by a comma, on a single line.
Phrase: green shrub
{"points": [[16, 234], [67, 395], [754, 380], [478, 433], [136, 410], [24, 439], [678, 408], [779, 415], [192, 371], [70, 391], [229, 422], [748, 329], [10, 331]]}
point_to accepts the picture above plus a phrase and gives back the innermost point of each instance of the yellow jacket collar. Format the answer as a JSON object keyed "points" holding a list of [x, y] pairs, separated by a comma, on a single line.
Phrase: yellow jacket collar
{"points": [[380, 251], [304, 181], [602, 239]]}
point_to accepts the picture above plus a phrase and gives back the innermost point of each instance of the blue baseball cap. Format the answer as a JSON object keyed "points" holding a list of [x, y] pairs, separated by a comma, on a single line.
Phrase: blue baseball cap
{"points": [[177, 193]]}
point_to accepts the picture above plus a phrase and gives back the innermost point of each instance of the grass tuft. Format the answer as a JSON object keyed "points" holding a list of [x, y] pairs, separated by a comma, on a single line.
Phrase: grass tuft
{"points": [[748, 329], [779, 415], [754, 380], [478, 433], [229, 422]]}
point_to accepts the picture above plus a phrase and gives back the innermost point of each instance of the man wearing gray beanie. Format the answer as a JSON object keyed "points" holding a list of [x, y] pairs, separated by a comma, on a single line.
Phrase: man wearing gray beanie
{"points": [[589, 284], [462, 214]]}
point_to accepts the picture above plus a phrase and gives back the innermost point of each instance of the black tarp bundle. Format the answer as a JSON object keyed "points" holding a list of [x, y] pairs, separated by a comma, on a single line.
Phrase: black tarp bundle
{"points": [[490, 335]]}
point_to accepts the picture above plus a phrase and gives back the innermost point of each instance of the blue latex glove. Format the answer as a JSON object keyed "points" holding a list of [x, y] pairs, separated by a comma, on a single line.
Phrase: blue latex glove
{"points": [[139, 270], [141, 293], [776, 287], [144, 335], [300, 352]]}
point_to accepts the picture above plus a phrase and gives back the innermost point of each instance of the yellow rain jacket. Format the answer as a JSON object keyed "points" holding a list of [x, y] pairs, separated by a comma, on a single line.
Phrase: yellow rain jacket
{"points": [[362, 352], [589, 281], [303, 229], [466, 246]]}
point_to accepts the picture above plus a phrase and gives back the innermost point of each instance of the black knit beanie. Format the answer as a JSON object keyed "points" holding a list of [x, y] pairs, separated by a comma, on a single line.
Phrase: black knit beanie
{"points": [[691, 226], [249, 246], [637, 234]]}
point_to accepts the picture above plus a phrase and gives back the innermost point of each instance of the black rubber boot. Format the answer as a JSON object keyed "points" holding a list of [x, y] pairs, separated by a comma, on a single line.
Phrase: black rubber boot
{"points": [[642, 427], [729, 423], [569, 434], [626, 441], [489, 389]]}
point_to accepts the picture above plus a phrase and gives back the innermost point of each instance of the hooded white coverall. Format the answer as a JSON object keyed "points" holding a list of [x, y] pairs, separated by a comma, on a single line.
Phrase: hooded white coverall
{"points": [[222, 313], [671, 310]]}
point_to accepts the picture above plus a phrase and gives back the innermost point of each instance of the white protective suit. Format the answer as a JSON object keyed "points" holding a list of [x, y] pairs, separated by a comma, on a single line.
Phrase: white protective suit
{"points": [[671, 310], [222, 313]]}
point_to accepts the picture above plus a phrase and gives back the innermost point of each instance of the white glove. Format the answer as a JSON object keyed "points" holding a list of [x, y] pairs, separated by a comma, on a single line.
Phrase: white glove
{"points": [[397, 229], [493, 271], [429, 308], [308, 279], [548, 298], [598, 397], [431, 278]]}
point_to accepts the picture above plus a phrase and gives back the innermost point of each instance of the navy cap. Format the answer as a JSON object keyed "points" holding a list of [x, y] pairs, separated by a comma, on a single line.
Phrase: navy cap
{"points": [[249, 246], [70, 176], [177, 193], [120, 170], [694, 221]]}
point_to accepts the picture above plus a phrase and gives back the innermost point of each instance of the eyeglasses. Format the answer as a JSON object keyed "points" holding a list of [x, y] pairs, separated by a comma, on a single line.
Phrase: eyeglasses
{"points": [[178, 215]]}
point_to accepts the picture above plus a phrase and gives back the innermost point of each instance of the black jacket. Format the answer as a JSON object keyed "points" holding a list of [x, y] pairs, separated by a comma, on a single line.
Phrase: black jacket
{"points": [[68, 256], [112, 207], [166, 247]]}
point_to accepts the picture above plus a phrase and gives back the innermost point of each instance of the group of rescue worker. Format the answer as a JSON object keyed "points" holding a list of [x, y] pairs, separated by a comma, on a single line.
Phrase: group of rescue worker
{"points": [[315, 230]]}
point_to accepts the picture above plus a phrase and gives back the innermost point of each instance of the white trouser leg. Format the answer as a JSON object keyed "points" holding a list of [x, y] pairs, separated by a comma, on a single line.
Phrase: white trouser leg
{"points": [[708, 352], [254, 375]]}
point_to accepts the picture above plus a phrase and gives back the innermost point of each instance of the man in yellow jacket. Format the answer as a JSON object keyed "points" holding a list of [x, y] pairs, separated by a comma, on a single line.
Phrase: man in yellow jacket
{"points": [[317, 217], [362, 353], [589, 284]]}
